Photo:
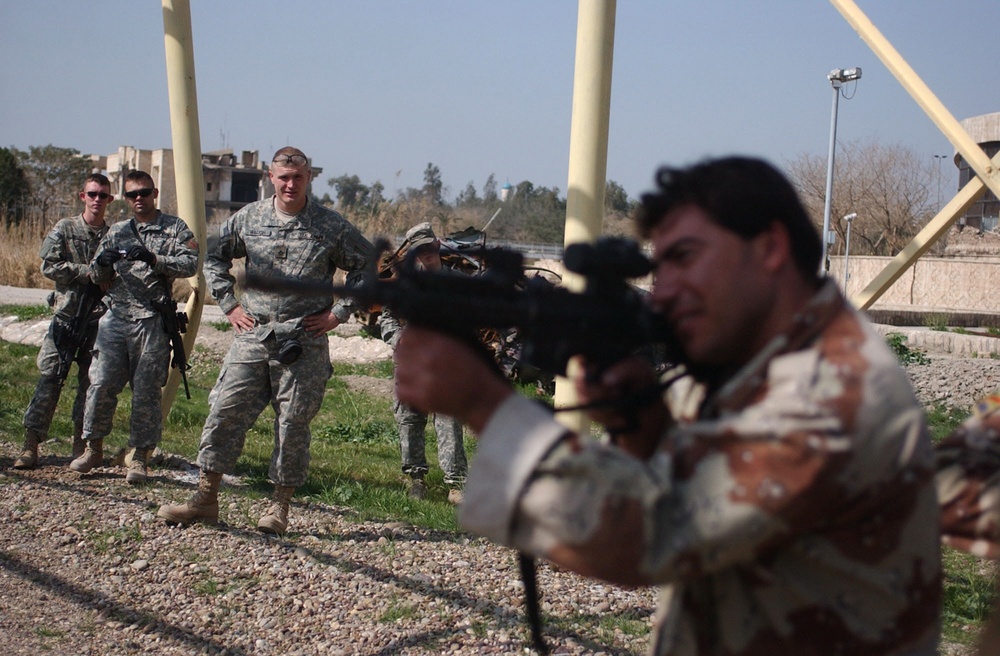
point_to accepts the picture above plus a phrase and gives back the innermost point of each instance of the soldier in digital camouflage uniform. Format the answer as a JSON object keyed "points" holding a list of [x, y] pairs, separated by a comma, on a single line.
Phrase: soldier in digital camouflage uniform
{"points": [[66, 254], [793, 513], [280, 353], [968, 484], [140, 258], [421, 241]]}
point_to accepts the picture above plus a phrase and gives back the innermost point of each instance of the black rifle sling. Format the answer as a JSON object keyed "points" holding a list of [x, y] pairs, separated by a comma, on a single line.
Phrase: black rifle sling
{"points": [[531, 606]]}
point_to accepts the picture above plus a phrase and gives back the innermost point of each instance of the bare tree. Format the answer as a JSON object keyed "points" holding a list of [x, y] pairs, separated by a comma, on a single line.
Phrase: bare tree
{"points": [[889, 186]]}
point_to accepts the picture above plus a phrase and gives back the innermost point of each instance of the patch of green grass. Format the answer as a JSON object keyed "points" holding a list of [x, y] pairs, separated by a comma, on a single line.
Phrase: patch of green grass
{"points": [[117, 540], [26, 312], [993, 330], [942, 420], [959, 330], [936, 321], [222, 326], [379, 369], [398, 610], [970, 592], [905, 353]]}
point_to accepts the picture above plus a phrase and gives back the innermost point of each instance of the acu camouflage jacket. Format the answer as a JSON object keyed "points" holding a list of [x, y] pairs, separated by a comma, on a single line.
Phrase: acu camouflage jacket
{"points": [[66, 253]]}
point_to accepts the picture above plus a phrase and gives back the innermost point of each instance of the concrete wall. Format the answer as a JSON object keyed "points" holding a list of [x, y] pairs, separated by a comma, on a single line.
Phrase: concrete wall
{"points": [[947, 285]]}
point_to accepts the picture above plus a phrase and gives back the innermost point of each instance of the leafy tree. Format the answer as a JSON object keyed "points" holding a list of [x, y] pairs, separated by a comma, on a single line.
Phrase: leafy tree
{"points": [[350, 191], [468, 197], [433, 188], [55, 176], [616, 198], [490, 191], [14, 189], [889, 186]]}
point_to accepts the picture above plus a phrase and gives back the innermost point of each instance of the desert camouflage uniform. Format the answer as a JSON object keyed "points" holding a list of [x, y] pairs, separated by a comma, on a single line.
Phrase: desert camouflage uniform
{"points": [[412, 423], [132, 345], [66, 254], [968, 483], [795, 515], [312, 246]]}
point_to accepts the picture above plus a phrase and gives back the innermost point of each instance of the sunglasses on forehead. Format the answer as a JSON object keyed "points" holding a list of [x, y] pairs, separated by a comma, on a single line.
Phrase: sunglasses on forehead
{"points": [[294, 160], [135, 193], [103, 195]]}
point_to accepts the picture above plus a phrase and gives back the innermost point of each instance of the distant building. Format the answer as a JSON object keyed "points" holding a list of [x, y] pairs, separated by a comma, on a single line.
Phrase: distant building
{"points": [[230, 182], [984, 214]]}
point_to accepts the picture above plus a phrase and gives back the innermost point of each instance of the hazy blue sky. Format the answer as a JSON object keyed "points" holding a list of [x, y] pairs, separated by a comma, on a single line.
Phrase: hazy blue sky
{"points": [[382, 87]]}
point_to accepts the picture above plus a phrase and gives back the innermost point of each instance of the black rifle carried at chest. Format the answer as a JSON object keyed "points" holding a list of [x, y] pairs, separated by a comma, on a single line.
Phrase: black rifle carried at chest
{"points": [[605, 322], [175, 323], [70, 338]]}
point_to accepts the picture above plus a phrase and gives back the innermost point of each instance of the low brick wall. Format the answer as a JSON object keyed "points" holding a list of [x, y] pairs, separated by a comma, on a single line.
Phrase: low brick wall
{"points": [[965, 289]]}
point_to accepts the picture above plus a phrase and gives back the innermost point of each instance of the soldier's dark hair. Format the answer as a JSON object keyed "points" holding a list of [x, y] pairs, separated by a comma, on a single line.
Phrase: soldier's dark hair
{"points": [[99, 178], [741, 194], [139, 176]]}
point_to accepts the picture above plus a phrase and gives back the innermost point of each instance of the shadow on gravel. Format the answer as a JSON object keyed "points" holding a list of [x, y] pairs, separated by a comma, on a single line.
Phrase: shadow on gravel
{"points": [[118, 612]]}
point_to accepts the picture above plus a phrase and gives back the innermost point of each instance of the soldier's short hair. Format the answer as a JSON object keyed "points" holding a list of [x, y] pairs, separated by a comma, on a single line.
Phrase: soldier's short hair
{"points": [[99, 178], [741, 194], [290, 156], [140, 176]]}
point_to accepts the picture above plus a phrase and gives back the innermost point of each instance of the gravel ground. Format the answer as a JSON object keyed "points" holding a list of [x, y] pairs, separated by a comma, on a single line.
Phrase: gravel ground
{"points": [[85, 568]]}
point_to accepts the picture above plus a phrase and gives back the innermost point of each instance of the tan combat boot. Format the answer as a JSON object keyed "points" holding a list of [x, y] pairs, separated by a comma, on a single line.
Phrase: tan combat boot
{"points": [[418, 489], [202, 506], [29, 452], [137, 466], [275, 520], [79, 444], [92, 457]]}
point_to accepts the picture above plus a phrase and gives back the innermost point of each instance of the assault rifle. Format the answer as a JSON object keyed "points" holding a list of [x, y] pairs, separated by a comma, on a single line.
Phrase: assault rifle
{"points": [[175, 323], [75, 336], [605, 322]]}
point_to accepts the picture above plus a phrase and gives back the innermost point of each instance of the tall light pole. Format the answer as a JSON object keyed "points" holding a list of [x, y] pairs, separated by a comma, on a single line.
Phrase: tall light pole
{"points": [[837, 77], [939, 158], [847, 246]]}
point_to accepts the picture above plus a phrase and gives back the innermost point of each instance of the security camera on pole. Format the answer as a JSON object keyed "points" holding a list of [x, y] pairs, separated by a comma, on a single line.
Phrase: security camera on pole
{"points": [[837, 78]]}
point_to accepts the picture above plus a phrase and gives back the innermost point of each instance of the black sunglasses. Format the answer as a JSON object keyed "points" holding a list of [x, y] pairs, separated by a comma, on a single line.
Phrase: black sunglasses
{"points": [[135, 193], [294, 160], [103, 195]]}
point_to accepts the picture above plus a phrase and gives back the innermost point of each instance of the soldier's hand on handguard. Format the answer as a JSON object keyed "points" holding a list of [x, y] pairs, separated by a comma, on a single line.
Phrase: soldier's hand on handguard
{"points": [[439, 373], [241, 321], [139, 253], [635, 421], [107, 257], [320, 323]]}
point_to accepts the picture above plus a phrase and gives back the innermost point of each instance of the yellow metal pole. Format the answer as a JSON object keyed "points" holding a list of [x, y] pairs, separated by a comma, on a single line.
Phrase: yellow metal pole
{"points": [[179, 49], [588, 147]]}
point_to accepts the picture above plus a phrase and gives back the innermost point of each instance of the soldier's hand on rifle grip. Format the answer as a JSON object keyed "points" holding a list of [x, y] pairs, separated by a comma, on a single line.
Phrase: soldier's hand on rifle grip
{"points": [[635, 425], [108, 257], [141, 254]]}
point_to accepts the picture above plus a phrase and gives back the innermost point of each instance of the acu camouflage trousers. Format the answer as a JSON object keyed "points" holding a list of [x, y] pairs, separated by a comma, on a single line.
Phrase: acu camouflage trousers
{"points": [[133, 351], [38, 416], [451, 447], [251, 378]]}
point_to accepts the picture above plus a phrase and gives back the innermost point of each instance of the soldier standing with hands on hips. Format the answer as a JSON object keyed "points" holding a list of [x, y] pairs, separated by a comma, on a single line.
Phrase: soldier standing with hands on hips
{"points": [[280, 355], [66, 254], [140, 258]]}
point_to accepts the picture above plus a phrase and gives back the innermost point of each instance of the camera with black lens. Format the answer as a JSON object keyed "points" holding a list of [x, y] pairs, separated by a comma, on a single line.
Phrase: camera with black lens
{"points": [[290, 351]]}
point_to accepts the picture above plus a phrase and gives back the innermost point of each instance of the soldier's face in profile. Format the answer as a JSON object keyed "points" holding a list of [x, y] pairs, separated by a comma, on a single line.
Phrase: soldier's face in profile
{"points": [[712, 285]]}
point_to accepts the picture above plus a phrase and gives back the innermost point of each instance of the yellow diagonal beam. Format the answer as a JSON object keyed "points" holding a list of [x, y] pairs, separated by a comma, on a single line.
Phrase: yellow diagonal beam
{"points": [[921, 93]]}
